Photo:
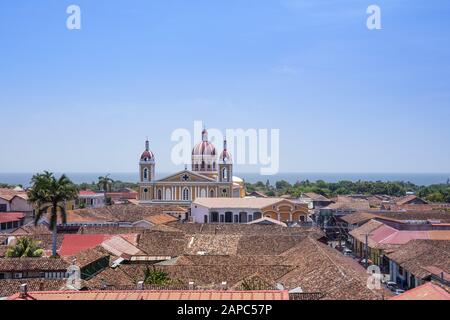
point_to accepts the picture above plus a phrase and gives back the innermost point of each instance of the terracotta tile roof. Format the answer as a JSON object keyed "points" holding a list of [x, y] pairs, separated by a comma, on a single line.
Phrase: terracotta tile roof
{"points": [[86, 257], [11, 216], [408, 199], [417, 256], [119, 213], [9, 287], [427, 291], [9, 194], [32, 264], [156, 295], [316, 196], [30, 229], [358, 217], [383, 236], [3, 250], [319, 268], [160, 218]]}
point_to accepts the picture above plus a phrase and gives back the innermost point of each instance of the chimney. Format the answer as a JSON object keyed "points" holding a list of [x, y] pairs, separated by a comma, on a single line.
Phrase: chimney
{"points": [[140, 285], [223, 285], [191, 285], [23, 290]]}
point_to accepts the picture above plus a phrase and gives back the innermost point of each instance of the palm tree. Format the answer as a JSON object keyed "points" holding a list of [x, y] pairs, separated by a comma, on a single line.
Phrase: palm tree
{"points": [[46, 193], [25, 247], [104, 183]]}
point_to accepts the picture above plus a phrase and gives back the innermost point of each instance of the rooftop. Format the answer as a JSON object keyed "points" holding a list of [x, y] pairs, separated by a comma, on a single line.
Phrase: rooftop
{"points": [[427, 291], [154, 295]]}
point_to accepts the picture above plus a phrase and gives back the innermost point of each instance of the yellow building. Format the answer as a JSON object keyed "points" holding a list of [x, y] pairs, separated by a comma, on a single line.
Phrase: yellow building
{"points": [[210, 177]]}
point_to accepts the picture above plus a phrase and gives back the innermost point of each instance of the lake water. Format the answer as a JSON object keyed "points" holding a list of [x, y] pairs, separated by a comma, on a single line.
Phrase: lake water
{"points": [[416, 178]]}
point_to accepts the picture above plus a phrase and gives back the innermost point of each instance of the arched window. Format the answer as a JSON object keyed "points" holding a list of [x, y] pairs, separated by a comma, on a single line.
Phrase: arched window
{"points": [[214, 216], [205, 219], [168, 194], [159, 194], [185, 194], [211, 193], [196, 167], [225, 174], [203, 165], [224, 193], [203, 193], [145, 174]]}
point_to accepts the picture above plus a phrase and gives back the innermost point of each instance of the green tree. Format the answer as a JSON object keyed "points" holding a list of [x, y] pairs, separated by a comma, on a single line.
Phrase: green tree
{"points": [[25, 247], [156, 276], [105, 183], [49, 193]]}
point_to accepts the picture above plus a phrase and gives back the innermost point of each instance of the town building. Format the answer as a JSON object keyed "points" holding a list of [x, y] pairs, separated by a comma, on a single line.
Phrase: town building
{"points": [[210, 176], [314, 200], [244, 210], [14, 200], [420, 261], [90, 199], [10, 221], [382, 235]]}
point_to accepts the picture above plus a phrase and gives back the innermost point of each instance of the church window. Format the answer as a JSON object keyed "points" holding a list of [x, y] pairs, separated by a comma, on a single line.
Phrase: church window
{"points": [[203, 165], [159, 194], [211, 193], [185, 194], [168, 194], [203, 193], [145, 190], [145, 174]]}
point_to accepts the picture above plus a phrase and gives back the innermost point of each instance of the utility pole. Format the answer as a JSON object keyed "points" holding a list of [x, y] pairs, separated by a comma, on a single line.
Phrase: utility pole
{"points": [[366, 250]]}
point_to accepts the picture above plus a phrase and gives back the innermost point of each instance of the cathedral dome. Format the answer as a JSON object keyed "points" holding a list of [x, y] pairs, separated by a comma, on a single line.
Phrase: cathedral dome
{"points": [[204, 148], [147, 155]]}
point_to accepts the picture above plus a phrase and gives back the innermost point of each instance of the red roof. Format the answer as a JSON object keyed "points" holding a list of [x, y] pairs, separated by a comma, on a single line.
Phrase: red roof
{"points": [[428, 291], [155, 295], [11, 216], [74, 243], [87, 193]]}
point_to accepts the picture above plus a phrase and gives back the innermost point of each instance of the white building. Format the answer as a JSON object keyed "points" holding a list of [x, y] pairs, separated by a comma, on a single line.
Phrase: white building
{"points": [[14, 200], [244, 210], [91, 199]]}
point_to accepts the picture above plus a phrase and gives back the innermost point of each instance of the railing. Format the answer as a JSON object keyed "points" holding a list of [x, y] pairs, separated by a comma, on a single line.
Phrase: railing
{"points": [[306, 296]]}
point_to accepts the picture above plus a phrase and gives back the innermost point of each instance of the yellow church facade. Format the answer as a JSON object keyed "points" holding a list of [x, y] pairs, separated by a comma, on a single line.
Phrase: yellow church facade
{"points": [[210, 176]]}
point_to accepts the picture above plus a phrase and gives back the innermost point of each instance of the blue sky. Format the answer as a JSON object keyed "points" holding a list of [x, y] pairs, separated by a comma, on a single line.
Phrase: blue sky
{"points": [[346, 99]]}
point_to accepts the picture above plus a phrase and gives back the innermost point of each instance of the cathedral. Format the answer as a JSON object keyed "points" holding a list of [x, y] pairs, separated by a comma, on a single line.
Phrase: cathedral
{"points": [[210, 177]]}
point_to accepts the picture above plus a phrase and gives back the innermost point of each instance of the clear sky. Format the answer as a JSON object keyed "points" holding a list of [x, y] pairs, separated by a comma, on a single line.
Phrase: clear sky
{"points": [[346, 99]]}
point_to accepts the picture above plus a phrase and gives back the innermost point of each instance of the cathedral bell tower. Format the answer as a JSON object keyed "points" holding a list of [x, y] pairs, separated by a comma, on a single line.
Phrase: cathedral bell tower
{"points": [[146, 172], [225, 173]]}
